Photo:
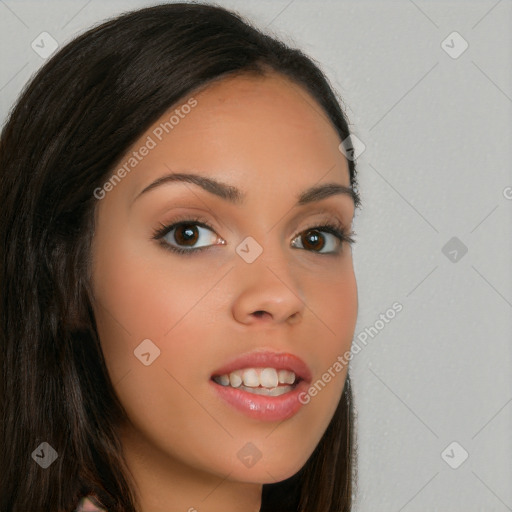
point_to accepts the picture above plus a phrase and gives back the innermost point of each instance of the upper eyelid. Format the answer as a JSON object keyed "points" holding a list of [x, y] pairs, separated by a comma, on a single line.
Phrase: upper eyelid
{"points": [[326, 213], [326, 218]]}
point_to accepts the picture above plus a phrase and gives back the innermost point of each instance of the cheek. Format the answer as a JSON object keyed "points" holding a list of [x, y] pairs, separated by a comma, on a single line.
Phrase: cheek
{"points": [[332, 305], [340, 313], [142, 294], [136, 300]]}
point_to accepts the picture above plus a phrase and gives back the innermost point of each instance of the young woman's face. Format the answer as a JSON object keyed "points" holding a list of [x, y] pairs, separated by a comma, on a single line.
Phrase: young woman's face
{"points": [[169, 322]]}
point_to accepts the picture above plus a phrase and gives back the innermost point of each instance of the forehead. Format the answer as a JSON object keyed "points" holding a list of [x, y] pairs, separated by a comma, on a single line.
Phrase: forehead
{"points": [[247, 130], [272, 97]]}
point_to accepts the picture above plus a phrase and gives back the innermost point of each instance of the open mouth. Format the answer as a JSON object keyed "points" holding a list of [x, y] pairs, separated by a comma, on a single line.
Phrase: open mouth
{"points": [[260, 381]]}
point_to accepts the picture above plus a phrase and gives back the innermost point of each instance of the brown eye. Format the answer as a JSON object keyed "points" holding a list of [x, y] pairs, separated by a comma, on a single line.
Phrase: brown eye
{"points": [[183, 237], [311, 240], [317, 238], [186, 234]]}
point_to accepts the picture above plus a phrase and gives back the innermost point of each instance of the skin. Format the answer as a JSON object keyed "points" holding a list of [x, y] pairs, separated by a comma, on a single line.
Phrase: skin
{"points": [[268, 137]]}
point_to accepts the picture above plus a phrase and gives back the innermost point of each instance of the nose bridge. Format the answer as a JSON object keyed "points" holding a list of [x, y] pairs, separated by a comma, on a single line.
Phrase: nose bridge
{"points": [[265, 227], [266, 280], [265, 249]]}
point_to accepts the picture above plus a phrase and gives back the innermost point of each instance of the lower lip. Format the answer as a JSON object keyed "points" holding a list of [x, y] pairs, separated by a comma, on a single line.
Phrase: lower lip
{"points": [[261, 407]]}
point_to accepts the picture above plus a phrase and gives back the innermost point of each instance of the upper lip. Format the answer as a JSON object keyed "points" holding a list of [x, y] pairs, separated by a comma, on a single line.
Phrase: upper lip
{"points": [[267, 359]]}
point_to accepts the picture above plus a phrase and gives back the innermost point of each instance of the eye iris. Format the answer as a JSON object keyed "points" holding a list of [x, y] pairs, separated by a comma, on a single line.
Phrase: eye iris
{"points": [[190, 236], [312, 235]]}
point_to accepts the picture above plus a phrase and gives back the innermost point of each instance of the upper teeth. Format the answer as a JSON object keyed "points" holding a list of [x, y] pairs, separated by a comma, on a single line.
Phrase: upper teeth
{"points": [[254, 377]]}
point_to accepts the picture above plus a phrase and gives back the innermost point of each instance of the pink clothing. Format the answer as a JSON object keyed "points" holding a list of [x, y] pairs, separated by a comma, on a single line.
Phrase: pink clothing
{"points": [[87, 505]]}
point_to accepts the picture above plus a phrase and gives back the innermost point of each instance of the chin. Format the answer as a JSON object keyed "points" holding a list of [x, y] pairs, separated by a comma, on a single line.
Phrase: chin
{"points": [[272, 470]]}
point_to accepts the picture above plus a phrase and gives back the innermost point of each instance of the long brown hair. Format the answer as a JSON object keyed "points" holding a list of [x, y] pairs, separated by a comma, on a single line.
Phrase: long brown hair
{"points": [[76, 118]]}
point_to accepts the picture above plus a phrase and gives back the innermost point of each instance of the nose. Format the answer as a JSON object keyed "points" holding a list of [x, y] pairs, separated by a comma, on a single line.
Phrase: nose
{"points": [[269, 295], [272, 315]]}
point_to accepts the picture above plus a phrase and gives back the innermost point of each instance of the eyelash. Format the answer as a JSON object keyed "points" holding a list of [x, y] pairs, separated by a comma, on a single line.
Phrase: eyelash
{"points": [[335, 228]]}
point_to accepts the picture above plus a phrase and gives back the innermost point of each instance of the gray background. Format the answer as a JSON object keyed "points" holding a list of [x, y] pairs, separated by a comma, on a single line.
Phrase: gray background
{"points": [[437, 165]]}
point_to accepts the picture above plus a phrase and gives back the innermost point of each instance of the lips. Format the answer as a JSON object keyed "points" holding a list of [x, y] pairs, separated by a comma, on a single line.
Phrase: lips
{"points": [[266, 359], [257, 406]]}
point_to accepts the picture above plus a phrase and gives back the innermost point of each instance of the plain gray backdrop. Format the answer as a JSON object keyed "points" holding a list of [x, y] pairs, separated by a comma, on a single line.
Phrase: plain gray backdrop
{"points": [[427, 88]]}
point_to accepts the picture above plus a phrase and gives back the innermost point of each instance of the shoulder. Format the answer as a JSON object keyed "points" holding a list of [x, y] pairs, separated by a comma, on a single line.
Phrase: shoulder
{"points": [[87, 504]]}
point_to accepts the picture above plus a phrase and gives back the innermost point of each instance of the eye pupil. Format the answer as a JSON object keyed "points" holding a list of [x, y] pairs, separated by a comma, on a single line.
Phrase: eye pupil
{"points": [[312, 235], [191, 234]]}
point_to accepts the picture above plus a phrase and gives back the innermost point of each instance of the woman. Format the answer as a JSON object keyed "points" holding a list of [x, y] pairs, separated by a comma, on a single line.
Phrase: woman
{"points": [[176, 274]]}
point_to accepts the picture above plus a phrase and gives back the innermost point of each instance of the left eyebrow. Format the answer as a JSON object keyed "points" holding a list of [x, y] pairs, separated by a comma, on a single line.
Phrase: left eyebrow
{"points": [[235, 196]]}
